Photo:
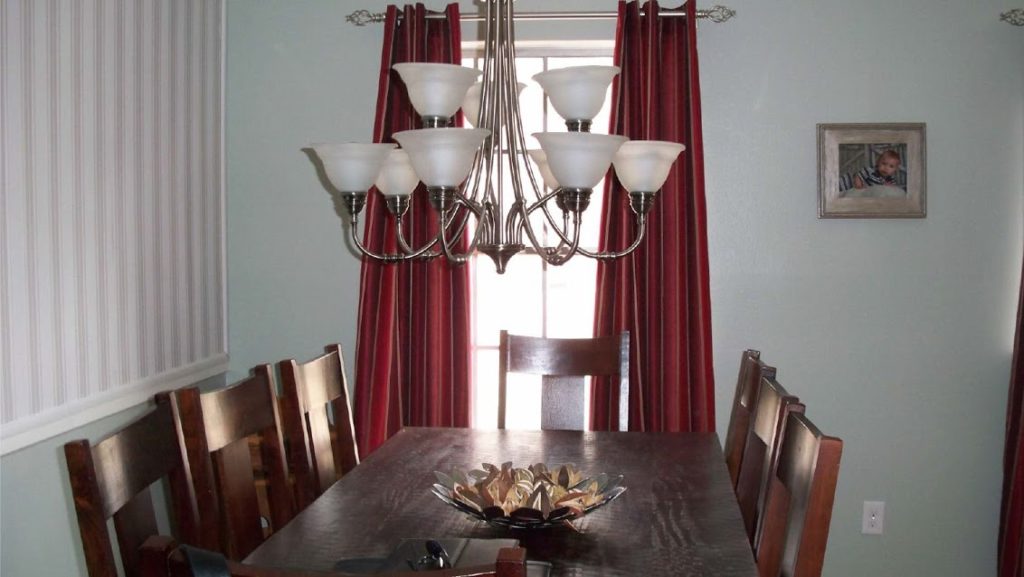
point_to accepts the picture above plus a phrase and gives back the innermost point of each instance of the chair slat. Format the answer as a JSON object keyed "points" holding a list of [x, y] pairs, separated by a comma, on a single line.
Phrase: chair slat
{"points": [[561, 363], [799, 508], [760, 454], [752, 369], [111, 479], [217, 426], [320, 452]]}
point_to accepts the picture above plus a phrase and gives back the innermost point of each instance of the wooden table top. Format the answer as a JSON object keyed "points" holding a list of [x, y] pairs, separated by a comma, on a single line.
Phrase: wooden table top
{"points": [[678, 517]]}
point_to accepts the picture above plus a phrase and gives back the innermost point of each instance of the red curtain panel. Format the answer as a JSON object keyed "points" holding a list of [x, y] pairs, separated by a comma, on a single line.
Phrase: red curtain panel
{"points": [[661, 293], [1011, 518], [412, 348]]}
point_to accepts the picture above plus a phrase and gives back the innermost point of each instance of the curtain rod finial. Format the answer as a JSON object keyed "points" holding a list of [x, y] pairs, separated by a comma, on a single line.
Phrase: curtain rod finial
{"points": [[718, 13], [1015, 17], [364, 17]]}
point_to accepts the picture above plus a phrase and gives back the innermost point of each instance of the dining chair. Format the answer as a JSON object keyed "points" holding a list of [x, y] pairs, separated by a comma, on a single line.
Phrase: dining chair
{"points": [[752, 368], [217, 426], [799, 508], [112, 479], [162, 557], [563, 365], [319, 452], [761, 452]]}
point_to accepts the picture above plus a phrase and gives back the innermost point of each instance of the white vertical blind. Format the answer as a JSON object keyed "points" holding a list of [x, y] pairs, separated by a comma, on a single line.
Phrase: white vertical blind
{"points": [[111, 208]]}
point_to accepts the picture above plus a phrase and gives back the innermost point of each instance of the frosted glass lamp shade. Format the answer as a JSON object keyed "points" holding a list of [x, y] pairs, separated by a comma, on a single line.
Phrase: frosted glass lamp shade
{"points": [[397, 177], [541, 160], [436, 90], [579, 159], [471, 105], [352, 167], [643, 165], [442, 156], [577, 92]]}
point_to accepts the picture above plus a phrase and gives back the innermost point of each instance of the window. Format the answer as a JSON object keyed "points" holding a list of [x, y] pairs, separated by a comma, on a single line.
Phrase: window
{"points": [[532, 298]]}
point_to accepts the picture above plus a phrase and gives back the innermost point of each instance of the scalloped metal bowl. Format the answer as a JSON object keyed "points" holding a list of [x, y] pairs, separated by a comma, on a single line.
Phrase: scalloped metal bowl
{"points": [[534, 497]]}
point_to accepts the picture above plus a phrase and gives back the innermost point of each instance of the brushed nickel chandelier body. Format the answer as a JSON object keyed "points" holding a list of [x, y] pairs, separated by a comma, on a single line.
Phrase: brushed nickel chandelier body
{"points": [[465, 171]]}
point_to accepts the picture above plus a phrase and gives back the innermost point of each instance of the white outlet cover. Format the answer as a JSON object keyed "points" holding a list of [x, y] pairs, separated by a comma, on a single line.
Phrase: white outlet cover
{"points": [[873, 521]]}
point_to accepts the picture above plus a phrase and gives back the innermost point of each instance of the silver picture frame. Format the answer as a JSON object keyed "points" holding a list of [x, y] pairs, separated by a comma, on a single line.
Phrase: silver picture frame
{"points": [[872, 170]]}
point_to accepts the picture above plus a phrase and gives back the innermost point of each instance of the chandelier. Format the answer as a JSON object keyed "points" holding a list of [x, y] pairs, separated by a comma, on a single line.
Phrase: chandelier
{"points": [[465, 171]]}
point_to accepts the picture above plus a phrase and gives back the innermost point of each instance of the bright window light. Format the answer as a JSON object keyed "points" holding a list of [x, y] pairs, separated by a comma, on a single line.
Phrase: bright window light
{"points": [[532, 298]]}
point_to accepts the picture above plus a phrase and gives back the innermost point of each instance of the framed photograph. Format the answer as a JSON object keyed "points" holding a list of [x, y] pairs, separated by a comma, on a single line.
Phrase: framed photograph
{"points": [[871, 170]]}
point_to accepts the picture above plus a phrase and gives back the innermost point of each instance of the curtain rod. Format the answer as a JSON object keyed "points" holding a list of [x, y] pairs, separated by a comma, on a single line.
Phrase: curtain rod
{"points": [[715, 14]]}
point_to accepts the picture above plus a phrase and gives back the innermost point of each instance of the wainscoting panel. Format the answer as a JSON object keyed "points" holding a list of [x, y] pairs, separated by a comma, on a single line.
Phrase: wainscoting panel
{"points": [[111, 209]]}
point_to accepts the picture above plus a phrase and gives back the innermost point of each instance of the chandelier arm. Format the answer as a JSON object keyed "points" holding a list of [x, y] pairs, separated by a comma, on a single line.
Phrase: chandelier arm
{"points": [[557, 257], [471, 207], [516, 141], [500, 75], [446, 249], [540, 203], [384, 257], [642, 222], [475, 188], [459, 230], [565, 226], [550, 254], [473, 243], [472, 186], [460, 258], [410, 253], [525, 225], [471, 189], [517, 148], [524, 214]]}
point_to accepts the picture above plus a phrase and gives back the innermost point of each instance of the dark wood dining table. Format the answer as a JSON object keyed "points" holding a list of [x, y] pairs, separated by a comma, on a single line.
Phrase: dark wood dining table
{"points": [[678, 516]]}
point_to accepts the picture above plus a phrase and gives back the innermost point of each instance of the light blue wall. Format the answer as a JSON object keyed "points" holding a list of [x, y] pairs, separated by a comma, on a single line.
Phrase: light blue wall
{"points": [[897, 334]]}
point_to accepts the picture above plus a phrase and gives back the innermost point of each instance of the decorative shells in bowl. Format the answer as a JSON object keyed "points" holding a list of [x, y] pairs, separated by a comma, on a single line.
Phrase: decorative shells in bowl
{"points": [[526, 498]]}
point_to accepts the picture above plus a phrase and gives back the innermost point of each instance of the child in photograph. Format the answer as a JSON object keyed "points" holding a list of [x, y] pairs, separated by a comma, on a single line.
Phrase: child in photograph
{"points": [[883, 174]]}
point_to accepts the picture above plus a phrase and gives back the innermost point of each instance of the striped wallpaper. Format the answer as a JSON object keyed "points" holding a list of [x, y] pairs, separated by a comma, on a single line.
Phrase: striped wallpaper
{"points": [[111, 208]]}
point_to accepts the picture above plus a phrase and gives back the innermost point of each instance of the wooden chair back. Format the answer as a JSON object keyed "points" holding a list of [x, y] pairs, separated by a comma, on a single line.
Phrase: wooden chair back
{"points": [[752, 368], [799, 509], [563, 365], [320, 452], [112, 479], [217, 426], [162, 558], [760, 455]]}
